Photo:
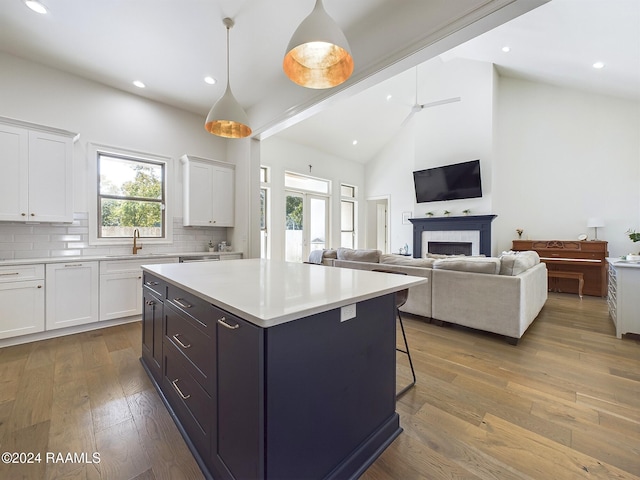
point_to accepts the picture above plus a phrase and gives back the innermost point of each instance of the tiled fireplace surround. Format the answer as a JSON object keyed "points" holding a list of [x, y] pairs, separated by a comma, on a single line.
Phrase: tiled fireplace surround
{"points": [[474, 229]]}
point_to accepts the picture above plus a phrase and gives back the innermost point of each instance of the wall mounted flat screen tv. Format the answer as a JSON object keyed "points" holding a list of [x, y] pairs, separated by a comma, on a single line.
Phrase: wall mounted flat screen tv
{"points": [[450, 182]]}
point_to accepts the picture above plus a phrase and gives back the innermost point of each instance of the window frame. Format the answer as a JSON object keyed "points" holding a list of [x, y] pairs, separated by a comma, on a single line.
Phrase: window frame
{"points": [[94, 152], [265, 189], [353, 201]]}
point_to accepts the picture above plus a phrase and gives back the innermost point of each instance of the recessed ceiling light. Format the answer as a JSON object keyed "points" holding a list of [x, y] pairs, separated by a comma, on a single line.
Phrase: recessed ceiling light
{"points": [[210, 80], [139, 84], [388, 97], [506, 49], [36, 6], [355, 142], [598, 65]]}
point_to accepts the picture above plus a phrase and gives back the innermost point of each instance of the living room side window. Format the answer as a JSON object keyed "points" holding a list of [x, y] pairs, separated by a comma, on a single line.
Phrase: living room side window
{"points": [[347, 216], [131, 196]]}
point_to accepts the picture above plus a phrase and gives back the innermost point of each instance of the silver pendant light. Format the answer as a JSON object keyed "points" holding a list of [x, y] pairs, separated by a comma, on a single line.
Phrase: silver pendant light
{"points": [[227, 118], [318, 55]]}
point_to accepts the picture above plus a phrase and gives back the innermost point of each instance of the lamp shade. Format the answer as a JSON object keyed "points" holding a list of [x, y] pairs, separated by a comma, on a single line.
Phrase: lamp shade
{"points": [[595, 222], [318, 55], [227, 118]]}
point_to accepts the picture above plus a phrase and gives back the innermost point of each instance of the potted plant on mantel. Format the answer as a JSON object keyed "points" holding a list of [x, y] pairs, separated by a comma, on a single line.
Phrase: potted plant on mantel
{"points": [[634, 237]]}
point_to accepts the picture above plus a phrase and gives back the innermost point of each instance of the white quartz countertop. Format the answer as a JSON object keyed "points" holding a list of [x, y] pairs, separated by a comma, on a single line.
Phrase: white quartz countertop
{"points": [[270, 292], [93, 258]]}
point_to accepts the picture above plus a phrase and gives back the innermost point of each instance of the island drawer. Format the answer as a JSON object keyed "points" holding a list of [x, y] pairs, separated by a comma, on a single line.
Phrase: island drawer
{"points": [[194, 307], [191, 404], [155, 285], [189, 342]]}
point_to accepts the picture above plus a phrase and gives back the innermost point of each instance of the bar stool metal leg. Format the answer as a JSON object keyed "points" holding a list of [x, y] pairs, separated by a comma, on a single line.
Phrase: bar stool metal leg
{"points": [[406, 351]]}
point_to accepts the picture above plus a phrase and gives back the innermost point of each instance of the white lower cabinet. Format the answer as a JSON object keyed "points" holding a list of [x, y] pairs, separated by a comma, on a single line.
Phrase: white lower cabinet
{"points": [[71, 294], [21, 300], [121, 287]]}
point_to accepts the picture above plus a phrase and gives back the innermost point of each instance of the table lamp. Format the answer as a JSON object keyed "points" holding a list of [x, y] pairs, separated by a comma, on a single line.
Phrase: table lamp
{"points": [[595, 222]]}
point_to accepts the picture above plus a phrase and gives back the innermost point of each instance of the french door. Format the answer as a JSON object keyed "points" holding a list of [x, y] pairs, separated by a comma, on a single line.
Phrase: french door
{"points": [[306, 224]]}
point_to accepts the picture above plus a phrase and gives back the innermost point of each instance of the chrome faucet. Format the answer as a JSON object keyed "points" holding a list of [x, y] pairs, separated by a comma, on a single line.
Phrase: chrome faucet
{"points": [[136, 234]]}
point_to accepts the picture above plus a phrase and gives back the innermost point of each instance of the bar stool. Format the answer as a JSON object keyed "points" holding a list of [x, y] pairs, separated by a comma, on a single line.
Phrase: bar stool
{"points": [[401, 299]]}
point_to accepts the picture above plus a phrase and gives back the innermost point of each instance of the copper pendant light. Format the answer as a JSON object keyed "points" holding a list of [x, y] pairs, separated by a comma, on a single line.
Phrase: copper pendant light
{"points": [[227, 118], [318, 55]]}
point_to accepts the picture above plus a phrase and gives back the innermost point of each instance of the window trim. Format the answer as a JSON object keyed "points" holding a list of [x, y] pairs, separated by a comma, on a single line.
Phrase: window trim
{"points": [[94, 150], [265, 233], [353, 200]]}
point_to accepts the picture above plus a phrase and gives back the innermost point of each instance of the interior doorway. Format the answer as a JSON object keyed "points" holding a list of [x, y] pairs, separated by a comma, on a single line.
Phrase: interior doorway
{"points": [[378, 234]]}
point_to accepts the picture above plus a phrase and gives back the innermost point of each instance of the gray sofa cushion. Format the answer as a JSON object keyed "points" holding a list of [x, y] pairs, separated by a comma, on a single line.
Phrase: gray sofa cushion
{"points": [[392, 259], [360, 255], [514, 263], [489, 265]]}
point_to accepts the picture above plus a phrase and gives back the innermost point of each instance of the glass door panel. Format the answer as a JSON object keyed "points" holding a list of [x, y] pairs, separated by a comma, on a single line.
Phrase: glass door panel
{"points": [[318, 223], [294, 225]]}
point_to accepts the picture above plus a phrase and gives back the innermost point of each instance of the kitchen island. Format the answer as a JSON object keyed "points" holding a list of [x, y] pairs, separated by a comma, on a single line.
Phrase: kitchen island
{"points": [[275, 370]]}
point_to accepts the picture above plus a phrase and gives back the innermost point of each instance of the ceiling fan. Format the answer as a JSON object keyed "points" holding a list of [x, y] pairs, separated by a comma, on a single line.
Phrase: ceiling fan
{"points": [[418, 107]]}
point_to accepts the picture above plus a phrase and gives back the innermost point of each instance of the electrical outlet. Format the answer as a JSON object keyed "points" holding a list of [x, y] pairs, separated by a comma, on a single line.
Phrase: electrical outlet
{"points": [[348, 312]]}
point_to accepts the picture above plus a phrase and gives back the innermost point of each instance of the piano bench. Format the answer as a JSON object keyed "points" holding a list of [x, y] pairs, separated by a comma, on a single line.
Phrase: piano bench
{"points": [[574, 275]]}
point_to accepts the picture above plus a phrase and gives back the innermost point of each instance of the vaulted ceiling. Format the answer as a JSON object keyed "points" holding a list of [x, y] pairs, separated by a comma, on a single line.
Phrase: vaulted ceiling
{"points": [[172, 45]]}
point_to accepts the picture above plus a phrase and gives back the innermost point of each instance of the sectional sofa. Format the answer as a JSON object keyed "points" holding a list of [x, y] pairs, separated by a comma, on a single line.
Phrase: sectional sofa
{"points": [[501, 294]]}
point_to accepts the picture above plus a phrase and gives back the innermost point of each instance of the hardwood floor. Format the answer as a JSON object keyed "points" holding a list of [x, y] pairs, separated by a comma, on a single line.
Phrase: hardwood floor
{"points": [[564, 403]]}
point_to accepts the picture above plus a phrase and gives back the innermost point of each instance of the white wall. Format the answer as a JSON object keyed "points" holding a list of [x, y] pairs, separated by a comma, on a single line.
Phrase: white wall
{"points": [[46, 96], [451, 133], [551, 157], [281, 155], [389, 174], [564, 156]]}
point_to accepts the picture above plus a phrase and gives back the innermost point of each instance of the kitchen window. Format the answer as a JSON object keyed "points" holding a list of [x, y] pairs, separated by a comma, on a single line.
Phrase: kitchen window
{"points": [[130, 195]]}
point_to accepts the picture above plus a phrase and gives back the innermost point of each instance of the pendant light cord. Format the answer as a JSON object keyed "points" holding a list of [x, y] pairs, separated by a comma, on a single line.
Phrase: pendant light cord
{"points": [[228, 23]]}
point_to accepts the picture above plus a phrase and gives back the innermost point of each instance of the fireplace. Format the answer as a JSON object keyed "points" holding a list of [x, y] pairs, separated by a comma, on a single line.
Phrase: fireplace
{"points": [[473, 229], [450, 248]]}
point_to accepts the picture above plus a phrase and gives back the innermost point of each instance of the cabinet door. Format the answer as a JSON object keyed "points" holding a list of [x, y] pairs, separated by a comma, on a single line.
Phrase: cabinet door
{"points": [[14, 165], [223, 196], [198, 195], [240, 397], [21, 308], [72, 294], [120, 295], [50, 177], [152, 333]]}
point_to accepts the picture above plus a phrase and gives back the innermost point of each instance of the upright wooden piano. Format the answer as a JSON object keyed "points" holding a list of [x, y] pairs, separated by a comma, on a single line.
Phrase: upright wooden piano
{"points": [[586, 257]]}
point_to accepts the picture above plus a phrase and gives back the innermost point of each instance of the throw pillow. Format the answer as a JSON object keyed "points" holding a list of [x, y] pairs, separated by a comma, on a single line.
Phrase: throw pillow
{"points": [[514, 263]]}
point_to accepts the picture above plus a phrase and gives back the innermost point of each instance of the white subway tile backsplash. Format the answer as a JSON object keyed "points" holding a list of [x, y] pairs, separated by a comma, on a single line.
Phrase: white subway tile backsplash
{"points": [[66, 238], [18, 240]]}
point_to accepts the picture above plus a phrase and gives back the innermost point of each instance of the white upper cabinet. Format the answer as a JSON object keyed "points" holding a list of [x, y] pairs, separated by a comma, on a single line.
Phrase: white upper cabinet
{"points": [[209, 191], [36, 181]]}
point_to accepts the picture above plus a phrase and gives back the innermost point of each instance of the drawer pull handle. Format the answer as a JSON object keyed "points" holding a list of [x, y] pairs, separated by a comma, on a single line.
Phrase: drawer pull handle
{"points": [[152, 284], [175, 385], [175, 337], [7, 274], [223, 321], [150, 302], [73, 265], [183, 305]]}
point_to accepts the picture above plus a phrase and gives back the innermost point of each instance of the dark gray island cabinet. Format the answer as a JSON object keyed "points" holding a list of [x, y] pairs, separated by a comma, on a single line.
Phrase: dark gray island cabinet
{"points": [[311, 397]]}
